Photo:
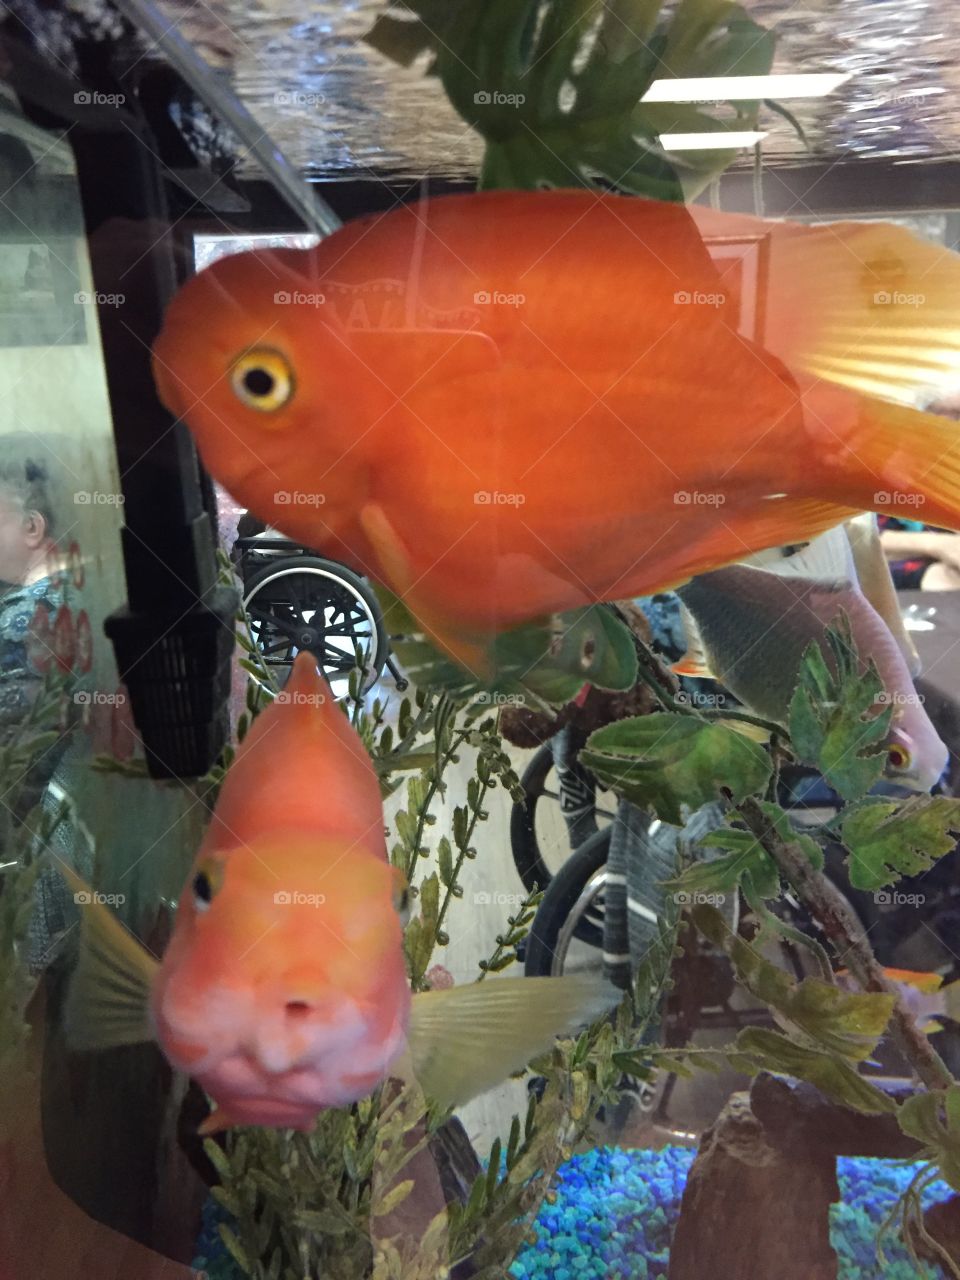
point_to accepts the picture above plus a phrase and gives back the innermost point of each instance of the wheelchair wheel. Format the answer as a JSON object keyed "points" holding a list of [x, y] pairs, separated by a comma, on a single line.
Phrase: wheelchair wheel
{"points": [[539, 832], [567, 931], [307, 602]]}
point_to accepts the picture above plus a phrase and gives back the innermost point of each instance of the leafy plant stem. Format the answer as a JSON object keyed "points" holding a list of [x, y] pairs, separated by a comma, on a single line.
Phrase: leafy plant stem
{"points": [[828, 905]]}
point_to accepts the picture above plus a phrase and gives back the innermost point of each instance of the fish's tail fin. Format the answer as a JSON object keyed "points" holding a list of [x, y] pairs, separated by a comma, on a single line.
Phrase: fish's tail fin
{"points": [[910, 463]]}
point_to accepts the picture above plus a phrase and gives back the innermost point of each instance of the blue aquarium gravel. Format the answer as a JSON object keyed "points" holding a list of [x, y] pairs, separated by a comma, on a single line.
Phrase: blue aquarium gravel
{"points": [[615, 1210]]}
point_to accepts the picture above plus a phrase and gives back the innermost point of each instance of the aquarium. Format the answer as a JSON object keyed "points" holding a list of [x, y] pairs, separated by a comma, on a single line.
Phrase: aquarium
{"points": [[479, 641]]}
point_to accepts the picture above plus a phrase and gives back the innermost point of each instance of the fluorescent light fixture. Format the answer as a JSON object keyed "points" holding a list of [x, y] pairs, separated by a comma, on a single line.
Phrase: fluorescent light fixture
{"points": [[729, 141], [744, 88]]}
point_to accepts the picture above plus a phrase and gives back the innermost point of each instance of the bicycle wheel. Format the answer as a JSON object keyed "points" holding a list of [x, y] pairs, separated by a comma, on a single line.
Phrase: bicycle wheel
{"points": [[539, 832], [307, 602], [571, 913]]}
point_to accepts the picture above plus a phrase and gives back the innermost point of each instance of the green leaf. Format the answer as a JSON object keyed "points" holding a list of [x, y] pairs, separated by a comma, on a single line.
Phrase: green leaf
{"points": [[844, 1023], [838, 1078], [394, 1198], [662, 760], [934, 1119], [887, 840], [559, 104], [834, 723], [445, 862]]}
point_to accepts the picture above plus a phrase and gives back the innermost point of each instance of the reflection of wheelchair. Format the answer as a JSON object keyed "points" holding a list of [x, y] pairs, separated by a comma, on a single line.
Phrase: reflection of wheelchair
{"points": [[297, 600]]}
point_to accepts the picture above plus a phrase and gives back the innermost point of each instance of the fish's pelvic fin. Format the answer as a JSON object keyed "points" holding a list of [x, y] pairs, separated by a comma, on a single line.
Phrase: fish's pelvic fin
{"points": [[876, 583], [108, 1001], [464, 1040]]}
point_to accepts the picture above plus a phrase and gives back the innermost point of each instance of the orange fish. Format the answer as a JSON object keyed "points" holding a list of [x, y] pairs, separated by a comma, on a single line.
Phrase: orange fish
{"points": [[284, 988], [507, 404]]}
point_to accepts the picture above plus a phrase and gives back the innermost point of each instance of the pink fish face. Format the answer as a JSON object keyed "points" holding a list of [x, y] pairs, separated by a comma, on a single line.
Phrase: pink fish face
{"points": [[284, 988]]}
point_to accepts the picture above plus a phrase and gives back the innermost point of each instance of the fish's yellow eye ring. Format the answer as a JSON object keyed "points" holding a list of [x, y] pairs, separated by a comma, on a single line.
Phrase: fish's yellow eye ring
{"points": [[206, 882], [262, 379], [898, 756]]}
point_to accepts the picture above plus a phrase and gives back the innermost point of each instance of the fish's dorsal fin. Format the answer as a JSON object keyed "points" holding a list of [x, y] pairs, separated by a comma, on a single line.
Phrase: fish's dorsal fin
{"points": [[876, 583], [108, 1002], [694, 661], [464, 1040], [866, 305], [826, 559]]}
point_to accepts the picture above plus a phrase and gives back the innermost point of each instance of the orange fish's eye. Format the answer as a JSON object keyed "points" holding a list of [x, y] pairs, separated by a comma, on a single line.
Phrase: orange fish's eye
{"points": [[207, 879], [262, 379], [898, 757]]}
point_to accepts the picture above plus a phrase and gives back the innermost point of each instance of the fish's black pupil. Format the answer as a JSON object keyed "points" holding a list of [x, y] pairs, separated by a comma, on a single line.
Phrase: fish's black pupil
{"points": [[258, 382], [202, 887]]}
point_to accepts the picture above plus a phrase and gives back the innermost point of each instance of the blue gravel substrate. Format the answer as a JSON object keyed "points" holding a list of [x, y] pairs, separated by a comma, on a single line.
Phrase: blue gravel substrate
{"points": [[615, 1211]]}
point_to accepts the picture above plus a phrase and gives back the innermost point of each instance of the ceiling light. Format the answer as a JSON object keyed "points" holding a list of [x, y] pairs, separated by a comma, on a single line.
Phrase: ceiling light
{"points": [[744, 88], [718, 141]]}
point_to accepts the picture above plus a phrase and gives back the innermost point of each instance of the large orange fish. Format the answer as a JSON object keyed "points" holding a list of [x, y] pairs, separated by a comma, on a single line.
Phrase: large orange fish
{"points": [[506, 404], [284, 989]]}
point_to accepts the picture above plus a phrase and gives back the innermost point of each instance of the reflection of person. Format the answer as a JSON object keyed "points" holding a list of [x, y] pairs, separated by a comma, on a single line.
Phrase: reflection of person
{"points": [[29, 568], [922, 558]]}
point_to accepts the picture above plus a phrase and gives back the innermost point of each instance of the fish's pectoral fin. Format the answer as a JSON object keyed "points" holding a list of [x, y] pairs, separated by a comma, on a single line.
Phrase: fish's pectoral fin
{"points": [[464, 1040], [108, 1001], [397, 568]]}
